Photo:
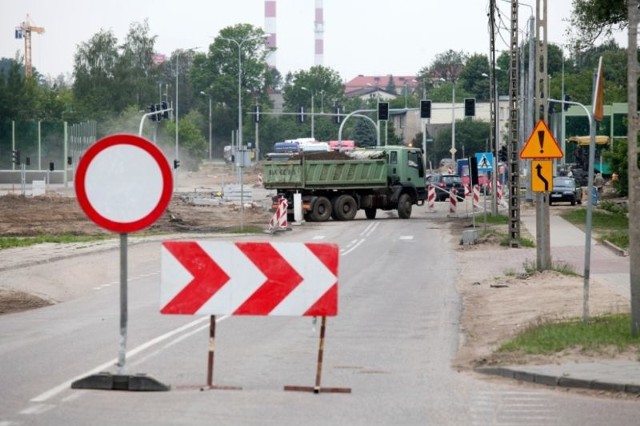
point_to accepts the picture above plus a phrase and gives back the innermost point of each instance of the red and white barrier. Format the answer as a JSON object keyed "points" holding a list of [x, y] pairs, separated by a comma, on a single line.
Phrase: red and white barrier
{"points": [[453, 201], [500, 199], [259, 182], [476, 197], [279, 220], [431, 198], [467, 190]]}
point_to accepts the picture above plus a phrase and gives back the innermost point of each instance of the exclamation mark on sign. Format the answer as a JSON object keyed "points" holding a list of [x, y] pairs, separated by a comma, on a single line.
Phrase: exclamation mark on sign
{"points": [[541, 139]]}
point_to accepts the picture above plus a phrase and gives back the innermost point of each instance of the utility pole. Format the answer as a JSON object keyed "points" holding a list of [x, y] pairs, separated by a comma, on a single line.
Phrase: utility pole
{"points": [[513, 149], [493, 104], [543, 246], [634, 171]]}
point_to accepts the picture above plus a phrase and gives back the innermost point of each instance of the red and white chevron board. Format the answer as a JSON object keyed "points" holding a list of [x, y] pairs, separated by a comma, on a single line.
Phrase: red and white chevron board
{"points": [[249, 278]]}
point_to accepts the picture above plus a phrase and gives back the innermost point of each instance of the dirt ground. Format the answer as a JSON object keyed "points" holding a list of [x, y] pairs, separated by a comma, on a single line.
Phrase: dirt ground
{"points": [[497, 303]]}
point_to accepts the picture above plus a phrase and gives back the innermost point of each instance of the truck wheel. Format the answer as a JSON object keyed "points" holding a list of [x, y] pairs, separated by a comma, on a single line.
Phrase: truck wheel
{"points": [[345, 207], [404, 206], [370, 213], [321, 210]]}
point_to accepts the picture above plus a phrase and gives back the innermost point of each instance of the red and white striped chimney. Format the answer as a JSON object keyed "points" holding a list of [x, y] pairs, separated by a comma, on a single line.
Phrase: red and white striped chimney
{"points": [[319, 31], [270, 29]]}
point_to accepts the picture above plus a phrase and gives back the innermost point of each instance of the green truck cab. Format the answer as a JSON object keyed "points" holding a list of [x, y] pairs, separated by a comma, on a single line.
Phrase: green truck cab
{"points": [[337, 185]]}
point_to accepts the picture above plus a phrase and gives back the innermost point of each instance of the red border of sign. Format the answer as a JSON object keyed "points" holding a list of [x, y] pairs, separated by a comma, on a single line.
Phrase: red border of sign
{"points": [[83, 166]]}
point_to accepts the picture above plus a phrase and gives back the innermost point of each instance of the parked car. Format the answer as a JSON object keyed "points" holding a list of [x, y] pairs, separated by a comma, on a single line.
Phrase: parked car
{"points": [[565, 189], [445, 183]]}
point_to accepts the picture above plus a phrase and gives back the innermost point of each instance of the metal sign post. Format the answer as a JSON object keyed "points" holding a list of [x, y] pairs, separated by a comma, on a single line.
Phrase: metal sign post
{"points": [[104, 191]]}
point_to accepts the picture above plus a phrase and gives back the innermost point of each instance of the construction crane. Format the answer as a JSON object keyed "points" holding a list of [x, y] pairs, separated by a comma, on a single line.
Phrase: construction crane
{"points": [[24, 31]]}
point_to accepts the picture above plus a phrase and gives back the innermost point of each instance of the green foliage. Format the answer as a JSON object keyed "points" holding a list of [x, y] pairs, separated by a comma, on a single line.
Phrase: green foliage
{"points": [[364, 134], [472, 79], [324, 83], [610, 222], [472, 135], [109, 77], [599, 334], [193, 145], [11, 242], [591, 19], [618, 157]]}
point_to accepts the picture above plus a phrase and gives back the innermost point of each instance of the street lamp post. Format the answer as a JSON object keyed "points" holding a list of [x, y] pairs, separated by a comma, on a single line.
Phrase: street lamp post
{"points": [[312, 111], [210, 130], [177, 157], [453, 121], [239, 44]]}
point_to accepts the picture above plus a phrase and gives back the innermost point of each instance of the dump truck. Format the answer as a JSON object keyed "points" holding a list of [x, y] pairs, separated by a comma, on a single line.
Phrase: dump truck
{"points": [[336, 184]]}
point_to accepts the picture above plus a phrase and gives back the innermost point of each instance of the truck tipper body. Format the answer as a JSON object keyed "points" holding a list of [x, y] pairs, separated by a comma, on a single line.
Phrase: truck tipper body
{"points": [[336, 185]]}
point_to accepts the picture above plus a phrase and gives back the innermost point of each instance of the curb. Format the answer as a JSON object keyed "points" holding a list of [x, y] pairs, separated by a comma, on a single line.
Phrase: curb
{"points": [[617, 250], [565, 382]]}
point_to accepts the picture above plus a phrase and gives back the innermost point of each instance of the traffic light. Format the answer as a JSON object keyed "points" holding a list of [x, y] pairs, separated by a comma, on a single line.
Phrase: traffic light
{"points": [[16, 156], [176, 164], [69, 160], [425, 108], [383, 111], [159, 114], [165, 107], [473, 170], [567, 98], [338, 118], [469, 107], [301, 114], [51, 166], [256, 114], [503, 153], [553, 107], [152, 108]]}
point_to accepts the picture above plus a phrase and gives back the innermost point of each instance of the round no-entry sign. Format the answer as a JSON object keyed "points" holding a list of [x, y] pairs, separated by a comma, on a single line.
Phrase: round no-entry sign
{"points": [[123, 183]]}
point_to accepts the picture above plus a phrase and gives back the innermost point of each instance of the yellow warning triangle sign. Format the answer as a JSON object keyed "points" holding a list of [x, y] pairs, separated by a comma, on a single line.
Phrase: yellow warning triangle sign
{"points": [[541, 144]]}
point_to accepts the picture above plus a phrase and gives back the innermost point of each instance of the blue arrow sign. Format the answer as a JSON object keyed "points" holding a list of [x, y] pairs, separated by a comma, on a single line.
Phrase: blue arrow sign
{"points": [[485, 161]]}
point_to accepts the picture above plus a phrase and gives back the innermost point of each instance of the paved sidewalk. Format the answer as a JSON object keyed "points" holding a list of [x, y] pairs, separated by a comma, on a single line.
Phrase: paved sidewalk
{"points": [[568, 245]]}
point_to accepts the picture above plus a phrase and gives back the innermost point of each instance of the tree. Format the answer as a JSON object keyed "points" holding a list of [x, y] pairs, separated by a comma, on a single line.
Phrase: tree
{"points": [[473, 135], [325, 83], [591, 19], [194, 146], [447, 66], [137, 74], [474, 77], [109, 77], [364, 134], [619, 164], [216, 74], [94, 70]]}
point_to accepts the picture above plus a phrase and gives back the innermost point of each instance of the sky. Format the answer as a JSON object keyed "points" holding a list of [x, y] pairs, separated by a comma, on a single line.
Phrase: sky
{"points": [[368, 37]]}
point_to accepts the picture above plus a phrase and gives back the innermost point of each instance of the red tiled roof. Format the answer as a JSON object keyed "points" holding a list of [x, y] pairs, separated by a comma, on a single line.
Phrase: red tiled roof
{"points": [[382, 82]]}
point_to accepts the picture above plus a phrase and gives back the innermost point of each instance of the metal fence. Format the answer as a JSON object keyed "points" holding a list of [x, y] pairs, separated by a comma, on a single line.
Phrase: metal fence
{"points": [[42, 146]]}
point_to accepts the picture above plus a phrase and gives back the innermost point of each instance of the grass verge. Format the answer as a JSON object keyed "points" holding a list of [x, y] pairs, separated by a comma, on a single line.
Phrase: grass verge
{"points": [[10, 242], [607, 225], [599, 334]]}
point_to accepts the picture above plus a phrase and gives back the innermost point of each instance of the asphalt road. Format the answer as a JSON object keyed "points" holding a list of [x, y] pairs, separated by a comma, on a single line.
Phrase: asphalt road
{"points": [[391, 344]]}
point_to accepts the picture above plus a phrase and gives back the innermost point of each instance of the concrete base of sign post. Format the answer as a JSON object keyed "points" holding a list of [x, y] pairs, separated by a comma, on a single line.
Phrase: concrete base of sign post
{"points": [[125, 382]]}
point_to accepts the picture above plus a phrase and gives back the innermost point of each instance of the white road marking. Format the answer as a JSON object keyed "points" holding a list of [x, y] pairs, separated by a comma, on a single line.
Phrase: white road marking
{"points": [[66, 385]]}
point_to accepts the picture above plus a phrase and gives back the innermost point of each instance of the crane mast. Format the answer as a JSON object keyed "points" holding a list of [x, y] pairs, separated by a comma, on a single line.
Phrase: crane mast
{"points": [[24, 30]]}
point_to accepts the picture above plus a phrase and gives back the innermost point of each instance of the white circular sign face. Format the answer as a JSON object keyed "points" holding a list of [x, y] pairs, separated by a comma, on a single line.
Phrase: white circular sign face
{"points": [[123, 183]]}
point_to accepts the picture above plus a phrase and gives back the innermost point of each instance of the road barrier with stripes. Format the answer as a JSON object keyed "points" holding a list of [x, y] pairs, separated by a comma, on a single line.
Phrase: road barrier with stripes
{"points": [[431, 198], [279, 220], [251, 278]]}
